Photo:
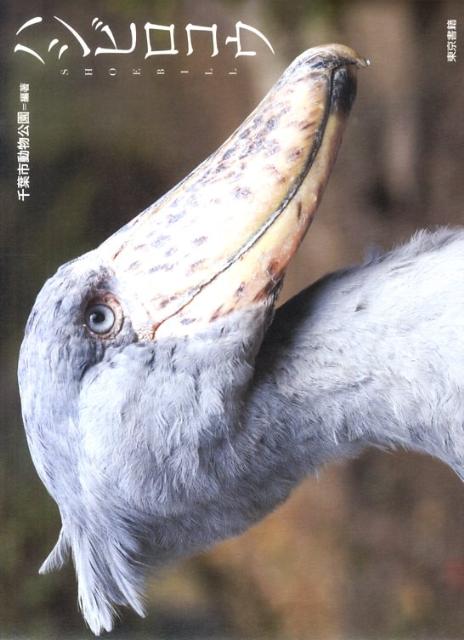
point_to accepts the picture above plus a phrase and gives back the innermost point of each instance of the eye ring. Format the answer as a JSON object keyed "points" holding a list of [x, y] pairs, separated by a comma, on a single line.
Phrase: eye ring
{"points": [[103, 316]]}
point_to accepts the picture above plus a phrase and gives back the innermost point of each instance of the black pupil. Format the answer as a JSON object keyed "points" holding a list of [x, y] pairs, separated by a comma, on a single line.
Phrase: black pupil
{"points": [[97, 317]]}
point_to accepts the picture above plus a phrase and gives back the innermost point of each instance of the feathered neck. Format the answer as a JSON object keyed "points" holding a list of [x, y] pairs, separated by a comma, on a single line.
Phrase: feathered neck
{"points": [[368, 356]]}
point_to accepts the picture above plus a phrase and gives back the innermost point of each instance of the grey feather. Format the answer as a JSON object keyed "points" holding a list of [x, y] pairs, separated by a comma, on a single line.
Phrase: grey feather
{"points": [[154, 450]]}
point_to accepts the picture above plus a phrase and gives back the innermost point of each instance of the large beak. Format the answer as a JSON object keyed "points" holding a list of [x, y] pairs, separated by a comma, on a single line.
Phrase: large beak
{"points": [[222, 238]]}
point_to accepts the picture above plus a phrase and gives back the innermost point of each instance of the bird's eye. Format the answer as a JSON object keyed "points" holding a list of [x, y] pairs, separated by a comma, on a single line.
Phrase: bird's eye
{"points": [[100, 318], [103, 317]]}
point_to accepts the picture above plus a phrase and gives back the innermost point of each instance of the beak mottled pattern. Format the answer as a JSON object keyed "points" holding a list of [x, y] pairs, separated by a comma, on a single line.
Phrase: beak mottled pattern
{"points": [[222, 238]]}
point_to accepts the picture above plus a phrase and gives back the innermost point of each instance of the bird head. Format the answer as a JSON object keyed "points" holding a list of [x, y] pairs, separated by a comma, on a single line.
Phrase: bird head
{"points": [[138, 355]]}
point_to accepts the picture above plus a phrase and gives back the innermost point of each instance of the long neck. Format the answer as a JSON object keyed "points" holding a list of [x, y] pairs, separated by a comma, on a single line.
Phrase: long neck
{"points": [[371, 355]]}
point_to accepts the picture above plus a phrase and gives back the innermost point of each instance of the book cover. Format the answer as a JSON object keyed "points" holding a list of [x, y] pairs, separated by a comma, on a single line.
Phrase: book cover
{"points": [[107, 106]]}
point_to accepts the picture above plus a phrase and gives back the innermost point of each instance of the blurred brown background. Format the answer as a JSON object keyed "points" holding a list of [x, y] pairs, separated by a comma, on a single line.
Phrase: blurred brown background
{"points": [[373, 548]]}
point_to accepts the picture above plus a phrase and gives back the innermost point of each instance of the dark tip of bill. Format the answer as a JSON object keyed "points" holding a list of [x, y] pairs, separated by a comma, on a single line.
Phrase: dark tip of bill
{"points": [[343, 90]]}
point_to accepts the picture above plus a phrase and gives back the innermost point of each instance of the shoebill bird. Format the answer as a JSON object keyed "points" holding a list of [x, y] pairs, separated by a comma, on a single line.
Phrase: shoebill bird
{"points": [[167, 406]]}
